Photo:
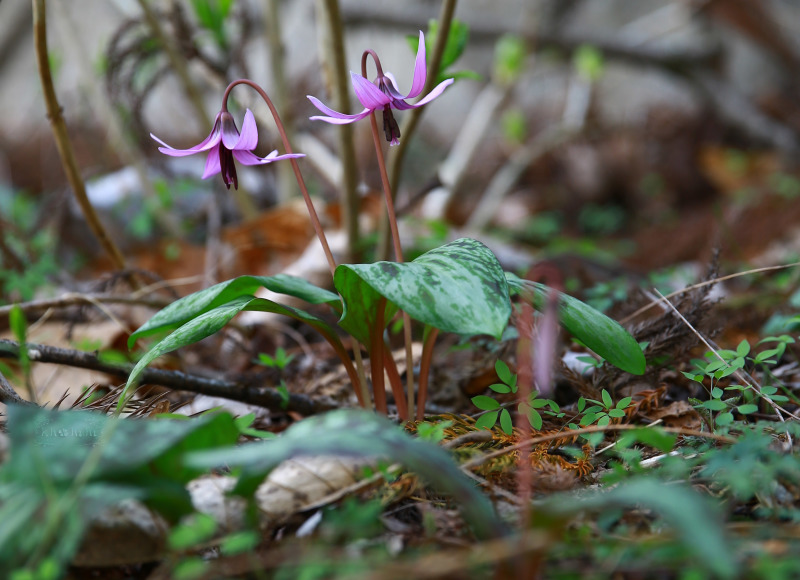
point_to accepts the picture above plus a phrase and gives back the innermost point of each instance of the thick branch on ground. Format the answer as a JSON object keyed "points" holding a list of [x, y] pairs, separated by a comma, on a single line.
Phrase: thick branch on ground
{"points": [[266, 397]]}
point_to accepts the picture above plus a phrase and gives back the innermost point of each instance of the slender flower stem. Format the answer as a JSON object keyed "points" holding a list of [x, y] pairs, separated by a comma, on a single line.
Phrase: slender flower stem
{"points": [[299, 176], [335, 64], [357, 378], [411, 118], [395, 383], [63, 142], [424, 371], [398, 249]]}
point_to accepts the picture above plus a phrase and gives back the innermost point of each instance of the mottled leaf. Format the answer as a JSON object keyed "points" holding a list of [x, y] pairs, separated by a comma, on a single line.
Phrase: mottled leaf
{"points": [[193, 305], [459, 288], [593, 328]]}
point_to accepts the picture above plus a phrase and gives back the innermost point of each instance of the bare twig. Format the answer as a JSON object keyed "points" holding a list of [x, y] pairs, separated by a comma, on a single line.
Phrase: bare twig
{"points": [[266, 397], [61, 136], [76, 299]]}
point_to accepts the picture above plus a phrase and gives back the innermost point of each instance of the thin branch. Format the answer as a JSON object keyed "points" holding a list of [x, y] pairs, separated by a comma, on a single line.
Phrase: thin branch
{"points": [[61, 136], [77, 299], [266, 397]]}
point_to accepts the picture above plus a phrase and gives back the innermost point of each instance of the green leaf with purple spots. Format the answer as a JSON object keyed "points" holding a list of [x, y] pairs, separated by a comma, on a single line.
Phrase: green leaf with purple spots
{"points": [[459, 287]]}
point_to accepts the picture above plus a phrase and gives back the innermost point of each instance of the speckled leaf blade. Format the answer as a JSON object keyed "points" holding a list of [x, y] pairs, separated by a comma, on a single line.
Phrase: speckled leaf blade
{"points": [[193, 305], [459, 287], [603, 335], [344, 432], [212, 321]]}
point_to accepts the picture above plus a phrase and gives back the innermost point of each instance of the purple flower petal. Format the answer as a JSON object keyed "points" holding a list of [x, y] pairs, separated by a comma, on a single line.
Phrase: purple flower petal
{"points": [[420, 70], [212, 162], [433, 94], [335, 117], [248, 140], [391, 86], [368, 94], [230, 134], [248, 158], [204, 145]]}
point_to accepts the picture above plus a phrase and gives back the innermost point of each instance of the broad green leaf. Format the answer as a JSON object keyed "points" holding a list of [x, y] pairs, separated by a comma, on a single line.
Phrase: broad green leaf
{"points": [[594, 329], [360, 306], [747, 409], [607, 401], [458, 288], [624, 402], [360, 434], [212, 321], [193, 305]]}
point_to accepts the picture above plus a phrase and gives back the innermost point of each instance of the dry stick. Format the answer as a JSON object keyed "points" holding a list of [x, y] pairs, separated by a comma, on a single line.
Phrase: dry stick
{"points": [[398, 249], [654, 303], [59, 126], [478, 461], [178, 64], [412, 117], [266, 397], [340, 82], [357, 378], [75, 299], [424, 371], [777, 408]]}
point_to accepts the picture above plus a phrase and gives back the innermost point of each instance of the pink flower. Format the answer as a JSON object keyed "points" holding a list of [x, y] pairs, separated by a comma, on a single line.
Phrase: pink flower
{"points": [[226, 143], [384, 94]]}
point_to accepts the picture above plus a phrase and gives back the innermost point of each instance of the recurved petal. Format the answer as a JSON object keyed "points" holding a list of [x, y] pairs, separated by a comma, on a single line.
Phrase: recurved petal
{"points": [[420, 70], [205, 145], [212, 162], [438, 90], [368, 94], [248, 140], [334, 116], [248, 158]]}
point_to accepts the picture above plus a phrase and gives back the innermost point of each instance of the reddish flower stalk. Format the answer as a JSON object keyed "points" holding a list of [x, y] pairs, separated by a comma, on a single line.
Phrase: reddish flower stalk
{"points": [[424, 371], [225, 143]]}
